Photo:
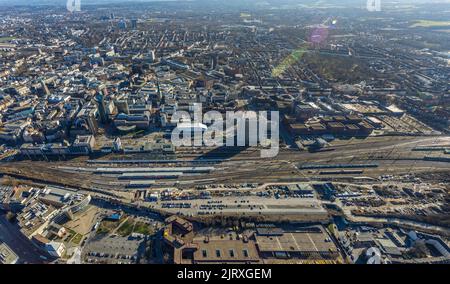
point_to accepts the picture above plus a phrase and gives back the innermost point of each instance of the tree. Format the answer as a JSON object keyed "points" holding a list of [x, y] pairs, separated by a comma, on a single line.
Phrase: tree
{"points": [[10, 216], [166, 258], [419, 250]]}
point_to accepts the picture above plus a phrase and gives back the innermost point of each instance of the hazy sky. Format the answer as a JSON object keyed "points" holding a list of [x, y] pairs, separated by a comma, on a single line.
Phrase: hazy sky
{"points": [[63, 2], [91, 1]]}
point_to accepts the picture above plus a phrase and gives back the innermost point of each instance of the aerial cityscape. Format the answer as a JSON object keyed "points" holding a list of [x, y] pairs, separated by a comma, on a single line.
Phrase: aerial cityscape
{"points": [[213, 131]]}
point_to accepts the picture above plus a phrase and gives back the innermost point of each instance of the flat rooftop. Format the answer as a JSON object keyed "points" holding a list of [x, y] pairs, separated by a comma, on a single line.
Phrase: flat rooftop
{"points": [[225, 251], [296, 242], [7, 256]]}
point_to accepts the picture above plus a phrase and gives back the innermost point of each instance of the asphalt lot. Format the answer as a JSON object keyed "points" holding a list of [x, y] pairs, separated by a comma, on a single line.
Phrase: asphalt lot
{"points": [[113, 250], [248, 205]]}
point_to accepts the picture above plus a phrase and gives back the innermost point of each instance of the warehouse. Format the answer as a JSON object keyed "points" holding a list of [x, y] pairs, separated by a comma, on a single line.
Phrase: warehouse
{"points": [[307, 243]]}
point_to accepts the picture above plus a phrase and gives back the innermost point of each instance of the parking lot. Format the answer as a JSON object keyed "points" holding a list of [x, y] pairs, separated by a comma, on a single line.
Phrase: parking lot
{"points": [[114, 250], [249, 205]]}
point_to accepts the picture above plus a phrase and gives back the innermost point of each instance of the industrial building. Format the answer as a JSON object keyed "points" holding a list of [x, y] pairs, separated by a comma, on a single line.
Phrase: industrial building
{"points": [[307, 243]]}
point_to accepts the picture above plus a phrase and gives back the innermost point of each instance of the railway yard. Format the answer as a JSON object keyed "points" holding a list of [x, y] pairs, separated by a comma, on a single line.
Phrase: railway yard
{"points": [[237, 183], [387, 155]]}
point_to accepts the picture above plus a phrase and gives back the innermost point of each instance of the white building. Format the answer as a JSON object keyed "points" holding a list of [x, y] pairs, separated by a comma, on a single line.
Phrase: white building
{"points": [[55, 249], [7, 255]]}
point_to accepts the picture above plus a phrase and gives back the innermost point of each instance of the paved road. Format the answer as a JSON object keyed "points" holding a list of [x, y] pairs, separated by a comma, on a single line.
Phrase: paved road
{"points": [[76, 258], [22, 246]]}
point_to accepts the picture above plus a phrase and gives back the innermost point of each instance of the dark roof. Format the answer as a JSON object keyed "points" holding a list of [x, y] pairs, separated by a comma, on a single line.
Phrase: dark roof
{"points": [[269, 231]]}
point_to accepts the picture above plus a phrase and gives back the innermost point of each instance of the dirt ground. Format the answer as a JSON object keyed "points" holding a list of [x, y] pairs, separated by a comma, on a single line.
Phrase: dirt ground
{"points": [[83, 223]]}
